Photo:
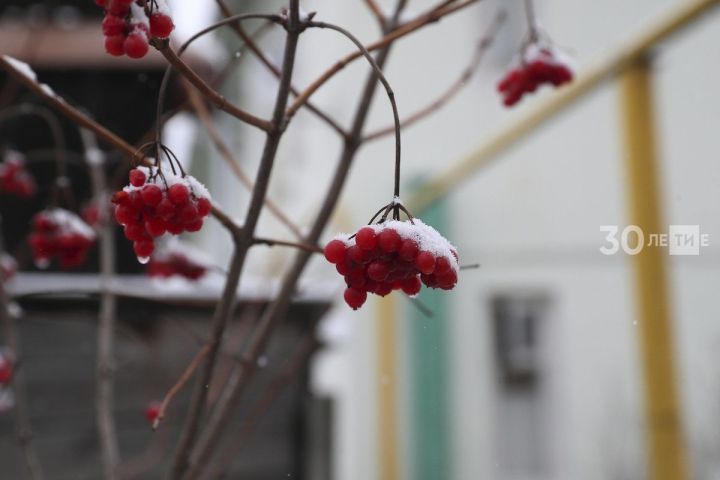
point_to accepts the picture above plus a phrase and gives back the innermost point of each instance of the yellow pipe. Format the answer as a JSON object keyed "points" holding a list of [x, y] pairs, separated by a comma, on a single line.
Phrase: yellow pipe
{"points": [[385, 326], [603, 70], [666, 449]]}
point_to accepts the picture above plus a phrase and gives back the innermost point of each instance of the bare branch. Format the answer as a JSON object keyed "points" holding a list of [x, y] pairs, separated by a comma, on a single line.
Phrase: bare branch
{"points": [[377, 12], [253, 46], [405, 29], [270, 242], [226, 154], [455, 88], [184, 378]]}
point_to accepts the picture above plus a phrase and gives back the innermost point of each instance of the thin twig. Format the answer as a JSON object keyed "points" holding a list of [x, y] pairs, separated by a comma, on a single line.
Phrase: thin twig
{"points": [[270, 242], [225, 152], [396, 33], [456, 87], [31, 463], [105, 371], [241, 374], [184, 378], [82, 120], [243, 242], [377, 12], [263, 58]]}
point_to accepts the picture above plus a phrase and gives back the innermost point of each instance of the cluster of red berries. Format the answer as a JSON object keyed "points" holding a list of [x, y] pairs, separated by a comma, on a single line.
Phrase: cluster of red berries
{"points": [[155, 203], [58, 232], [152, 412], [15, 179], [393, 255], [174, 262], [8, 265], [539, 65], [127, 27], [6, 369]]}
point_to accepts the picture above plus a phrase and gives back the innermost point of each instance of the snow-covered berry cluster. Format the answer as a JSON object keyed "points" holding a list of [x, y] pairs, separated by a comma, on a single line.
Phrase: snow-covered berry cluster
{"points": [[61, 233], [393, 255], [128, 28], [8, 265], [155, 203], [15, 179], [175, 261], [538, 65]]}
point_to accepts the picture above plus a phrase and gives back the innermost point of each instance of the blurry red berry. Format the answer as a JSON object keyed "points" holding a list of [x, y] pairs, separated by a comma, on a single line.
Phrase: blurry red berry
{"points": [[151, 194], [335, 251], [161, 25], [137, 177], [136, 44], [425, 262], [143, 248], [355, 297], [179, 194]]}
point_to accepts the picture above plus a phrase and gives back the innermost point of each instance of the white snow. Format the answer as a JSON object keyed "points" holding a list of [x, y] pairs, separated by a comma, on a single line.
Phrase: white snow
{"points": [[94, 156], [197, 188], [68, 222], [137, 13], [21, 67]]}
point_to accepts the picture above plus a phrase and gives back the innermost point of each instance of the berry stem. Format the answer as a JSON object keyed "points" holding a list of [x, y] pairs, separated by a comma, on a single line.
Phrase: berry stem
{"points": [[270, 242], [388, 89], [532, 21]]}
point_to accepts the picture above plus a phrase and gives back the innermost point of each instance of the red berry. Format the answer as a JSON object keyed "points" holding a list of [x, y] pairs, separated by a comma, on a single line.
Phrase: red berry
{"points": [[195, 225], [389, 240], [176, 228], [136, 44], [366, 238], [442, 266], [6, 371], [155, 226], [383, 289], [113, 25], [355, 297], [408, 250], [335, 251], [151, 194], [412, 285], [161, 25], [136, 232], [165, 209], [137, 177], [188, 213], [378, 271], [143, 248], [179, 194], [152, 411], [343, 268], [425, 262], [117, 7], [204, 206]]}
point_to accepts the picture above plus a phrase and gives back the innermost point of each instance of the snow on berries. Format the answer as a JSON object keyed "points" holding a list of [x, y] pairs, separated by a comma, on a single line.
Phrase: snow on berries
{"points": [[15, 179], [177, 261], [156, 203], [62, 234], [539, 64], [128, 28], [393, 255]]}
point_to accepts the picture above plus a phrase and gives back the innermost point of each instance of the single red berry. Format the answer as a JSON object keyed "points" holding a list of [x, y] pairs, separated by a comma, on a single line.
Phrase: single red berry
{"points": [[188, 213], [442, 266], [355, 297], [378, 271], [366, 238], [176, 228], [136, 232], [113, 25], [335, 251], [343, 268], [204, 206], [152, 411], [136, 44], [117, 7], [425, 262], [165, 209], [155, 226], [137, 177], [179, 194], [389, 240], [143, 248], [161, 25], [151, 194], [383, 289], [115, 45], [194, 226], [408, 250], [412, 285]]}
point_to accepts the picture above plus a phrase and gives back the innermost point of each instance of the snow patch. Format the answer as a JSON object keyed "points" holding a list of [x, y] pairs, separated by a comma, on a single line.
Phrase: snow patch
{"points": [[21, 67]]}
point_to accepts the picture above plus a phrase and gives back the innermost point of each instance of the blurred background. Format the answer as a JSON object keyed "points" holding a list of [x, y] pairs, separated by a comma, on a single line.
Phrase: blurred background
{"points": [[549, 361]]}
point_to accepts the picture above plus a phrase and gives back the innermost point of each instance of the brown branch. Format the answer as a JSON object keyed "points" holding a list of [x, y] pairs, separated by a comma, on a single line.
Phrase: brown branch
{"points": [[270, 242], [377, 12], [206, 90], [456, 87], [105, 370], [184, 378], [242, 373], [255, 49], [403, 30], [31, 463], [225, 152], [84, 121], [243, 242]]}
